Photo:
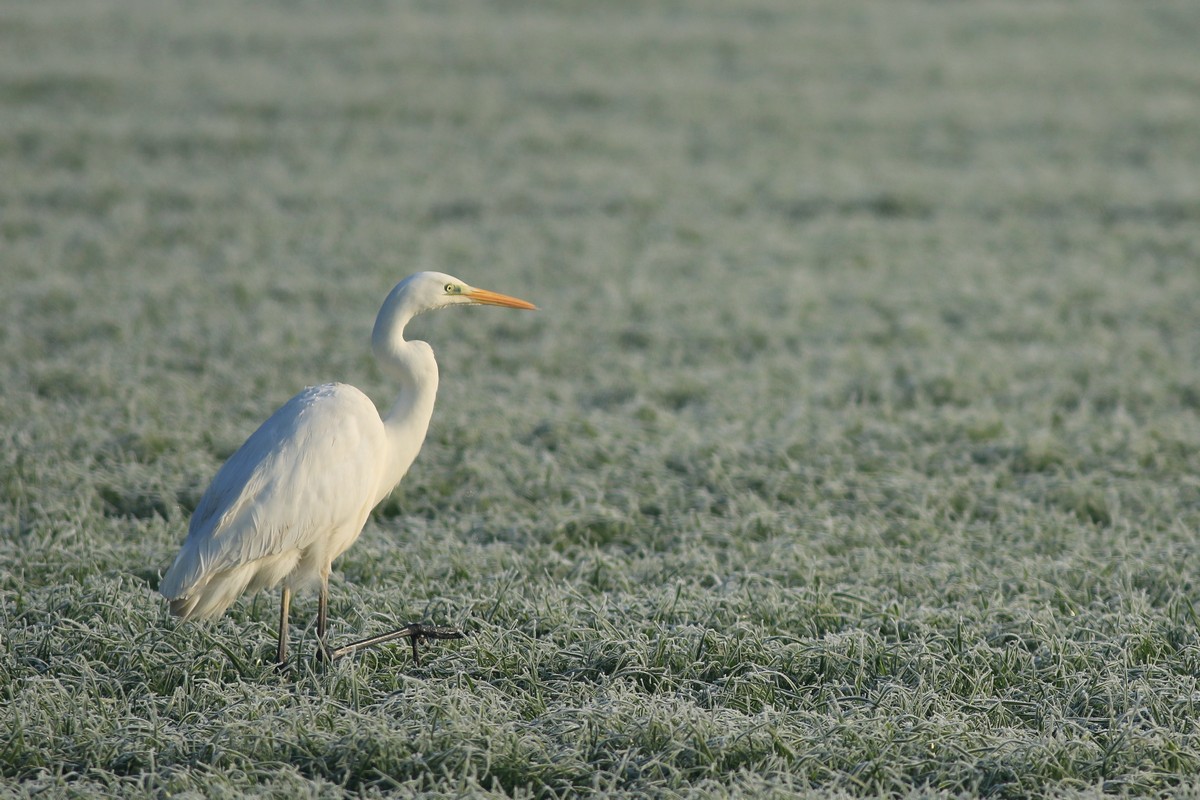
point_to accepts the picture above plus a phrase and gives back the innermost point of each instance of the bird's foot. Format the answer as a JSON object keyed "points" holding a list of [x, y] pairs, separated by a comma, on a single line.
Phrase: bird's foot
{"points": [[414, 632], [420, 631], [430, 632]]}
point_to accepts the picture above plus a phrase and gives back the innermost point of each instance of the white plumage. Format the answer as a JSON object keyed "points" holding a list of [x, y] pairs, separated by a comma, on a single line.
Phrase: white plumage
{"points": [[297, 493], [282, 505]]}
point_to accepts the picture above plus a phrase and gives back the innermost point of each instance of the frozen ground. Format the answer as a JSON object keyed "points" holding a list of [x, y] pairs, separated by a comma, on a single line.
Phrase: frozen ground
{"points": [[855, 451]]}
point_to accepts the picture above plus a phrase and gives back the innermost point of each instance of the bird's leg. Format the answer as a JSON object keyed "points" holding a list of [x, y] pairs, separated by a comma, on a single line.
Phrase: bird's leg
{"points": [[323, 653], [284, 602], [414, 632]]}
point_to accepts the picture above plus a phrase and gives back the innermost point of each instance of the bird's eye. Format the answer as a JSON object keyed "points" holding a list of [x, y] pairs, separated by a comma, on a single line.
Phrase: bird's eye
{"points": [[451, 288]]}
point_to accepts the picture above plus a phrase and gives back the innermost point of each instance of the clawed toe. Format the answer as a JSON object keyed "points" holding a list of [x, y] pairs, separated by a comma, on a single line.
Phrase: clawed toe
{"points": [[414, 632]]}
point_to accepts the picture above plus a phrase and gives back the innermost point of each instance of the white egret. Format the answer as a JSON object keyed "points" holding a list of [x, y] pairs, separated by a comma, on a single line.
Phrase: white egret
{"points": [[297, 493]]}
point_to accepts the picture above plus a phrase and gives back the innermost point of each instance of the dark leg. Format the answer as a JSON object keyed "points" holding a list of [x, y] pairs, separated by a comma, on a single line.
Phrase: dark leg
{"points": [[323, 622], [284, 602], [414, 632]]}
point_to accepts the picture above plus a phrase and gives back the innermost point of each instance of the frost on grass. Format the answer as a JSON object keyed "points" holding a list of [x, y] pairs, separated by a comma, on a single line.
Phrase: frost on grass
{"points": [[853, 452]]}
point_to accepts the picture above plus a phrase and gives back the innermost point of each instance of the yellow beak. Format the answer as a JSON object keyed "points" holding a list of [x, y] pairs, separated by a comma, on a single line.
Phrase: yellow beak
{"points": [[484, 297]]}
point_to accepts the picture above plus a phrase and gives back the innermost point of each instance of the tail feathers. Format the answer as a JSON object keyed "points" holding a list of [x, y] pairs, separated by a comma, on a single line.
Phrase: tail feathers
{"points": [[195, 590], [186, 575], [215, 594], [210, 595], [183, 606]]}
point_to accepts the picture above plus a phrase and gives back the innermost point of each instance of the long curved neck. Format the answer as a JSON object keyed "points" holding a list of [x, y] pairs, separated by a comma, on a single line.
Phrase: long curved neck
{"points": [[412, 365]]}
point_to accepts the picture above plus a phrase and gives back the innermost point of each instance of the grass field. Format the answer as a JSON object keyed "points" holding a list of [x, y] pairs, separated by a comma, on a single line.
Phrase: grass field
{"points": [[855, 450]]}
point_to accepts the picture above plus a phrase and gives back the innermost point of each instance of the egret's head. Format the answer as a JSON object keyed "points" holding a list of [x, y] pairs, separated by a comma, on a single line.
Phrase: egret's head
{"points": [[454, 291], [425, 291]]}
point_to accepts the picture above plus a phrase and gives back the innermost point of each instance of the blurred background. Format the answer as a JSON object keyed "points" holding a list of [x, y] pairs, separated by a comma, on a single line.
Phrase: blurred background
{"points": [[852, 314]]}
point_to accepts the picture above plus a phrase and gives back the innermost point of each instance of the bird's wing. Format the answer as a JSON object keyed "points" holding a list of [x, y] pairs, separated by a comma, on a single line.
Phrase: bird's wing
{"points": [[311, 468]]}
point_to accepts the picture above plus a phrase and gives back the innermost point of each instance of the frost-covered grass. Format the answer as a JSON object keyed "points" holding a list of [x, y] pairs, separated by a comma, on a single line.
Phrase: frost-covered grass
{"points": [[855, 451]]}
